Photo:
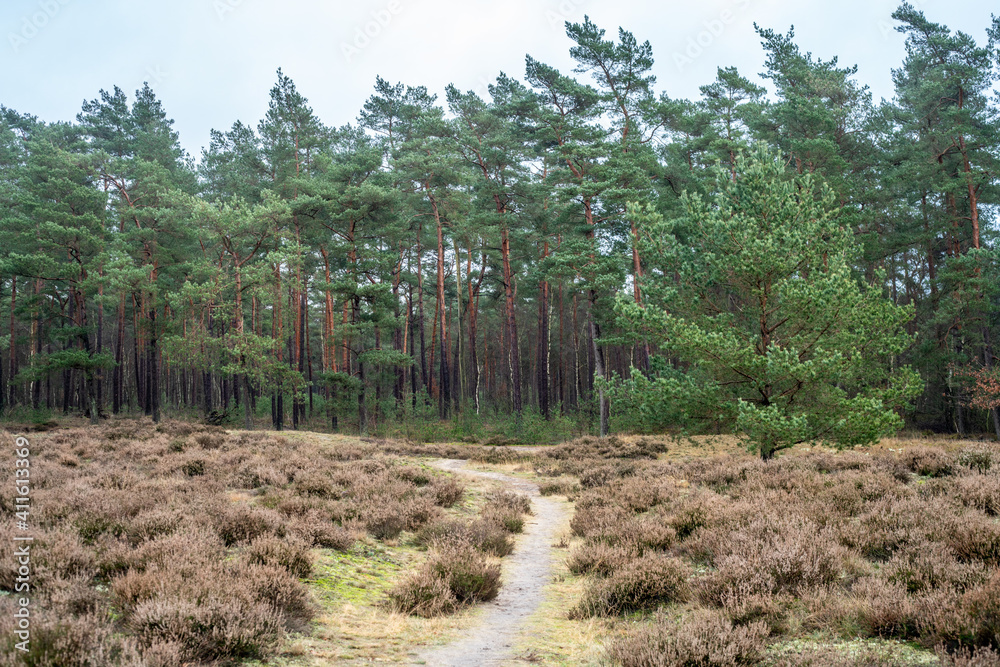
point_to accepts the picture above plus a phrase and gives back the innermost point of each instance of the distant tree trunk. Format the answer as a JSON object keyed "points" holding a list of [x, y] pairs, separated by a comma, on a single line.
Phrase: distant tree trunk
{"points": [[100, 347], [957, 396], [444, 393], [577, 384], [458, 337], [154, 372], [641, 348], [309, 360], [301, 352], [542, 360], [137, 358], [473, 317], [515, 353], [560, 369], [604, 406], [412, 325], [68, 373], [36, 346], [988, 356], [434, 387], [278, 400], [542, 344], [118, 379], [12, 367], [420, 313], [362, 408], [362, 413]]}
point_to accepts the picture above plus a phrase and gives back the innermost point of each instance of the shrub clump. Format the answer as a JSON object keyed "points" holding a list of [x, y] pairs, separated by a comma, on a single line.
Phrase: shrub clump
{"points": [[454, 576], [482, 534], [291, 555], [641, 584], [507, 510], [705, 639]]}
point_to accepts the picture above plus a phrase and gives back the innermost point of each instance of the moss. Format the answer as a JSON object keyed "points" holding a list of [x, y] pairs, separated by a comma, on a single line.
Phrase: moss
{"points": [[360, 576], [904, 654]]}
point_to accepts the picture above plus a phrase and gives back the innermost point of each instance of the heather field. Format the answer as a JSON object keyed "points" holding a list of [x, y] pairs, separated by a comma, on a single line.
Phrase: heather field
{"points": [[176, 544]]}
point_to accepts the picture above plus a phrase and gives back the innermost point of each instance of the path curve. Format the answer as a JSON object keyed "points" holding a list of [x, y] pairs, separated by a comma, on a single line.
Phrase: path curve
{"points": [[525, 573]]}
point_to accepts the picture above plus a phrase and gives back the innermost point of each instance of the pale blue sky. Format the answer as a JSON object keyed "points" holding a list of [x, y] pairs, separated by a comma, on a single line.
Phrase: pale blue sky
{"points": [[213, 61]]}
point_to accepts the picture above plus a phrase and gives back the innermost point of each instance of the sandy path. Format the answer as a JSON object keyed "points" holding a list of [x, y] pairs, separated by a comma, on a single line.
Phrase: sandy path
{"points": [[525, 573]]}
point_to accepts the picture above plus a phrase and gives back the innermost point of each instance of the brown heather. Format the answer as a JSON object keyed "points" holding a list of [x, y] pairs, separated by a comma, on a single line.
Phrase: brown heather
{"points": [[881, 544], [704, 638], [462, 568], [640, 584], [173, 544]]}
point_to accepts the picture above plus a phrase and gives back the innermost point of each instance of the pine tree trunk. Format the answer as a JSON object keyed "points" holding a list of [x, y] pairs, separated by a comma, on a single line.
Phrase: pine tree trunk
{"points": [[604, 406], [412, 326], [12, 367], [420, 313], [100, 348], [362, 411], [988, 358], [36, 346], [301, 350], [460, 374], [560, 367], [118, 379], [68, 373], [542, 350], [473, 317], [305, 349], [154, 366], [444, 393], [515, 353], [277, 326]]}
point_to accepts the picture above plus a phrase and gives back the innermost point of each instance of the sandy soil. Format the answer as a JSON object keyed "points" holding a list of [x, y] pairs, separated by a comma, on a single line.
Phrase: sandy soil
{"points": [[525, 573]]}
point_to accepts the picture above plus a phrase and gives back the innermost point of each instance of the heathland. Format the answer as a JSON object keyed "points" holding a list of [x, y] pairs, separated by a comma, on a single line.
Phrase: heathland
{"points": [[174, 544]]}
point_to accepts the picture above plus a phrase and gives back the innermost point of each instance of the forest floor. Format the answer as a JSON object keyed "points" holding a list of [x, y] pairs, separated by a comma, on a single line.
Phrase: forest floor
{"points": [[886, 555]]}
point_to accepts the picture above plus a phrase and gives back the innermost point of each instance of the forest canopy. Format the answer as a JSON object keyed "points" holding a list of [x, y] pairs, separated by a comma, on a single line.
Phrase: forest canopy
{"points": [[566, 246]]}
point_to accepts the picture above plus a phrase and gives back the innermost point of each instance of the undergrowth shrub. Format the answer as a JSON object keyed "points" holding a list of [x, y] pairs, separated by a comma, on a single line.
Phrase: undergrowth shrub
{"points": [[482, 534], [507, 510], [292, 555], [928, 461], [640, 584], [703, 638], [455, 575], [424, 594], [171, 544], [447, 492], [882, 544], [980, 457]]}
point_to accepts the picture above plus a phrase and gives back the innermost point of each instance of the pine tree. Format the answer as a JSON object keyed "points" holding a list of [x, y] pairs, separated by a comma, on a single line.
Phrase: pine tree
{"points": [[782, 338]]}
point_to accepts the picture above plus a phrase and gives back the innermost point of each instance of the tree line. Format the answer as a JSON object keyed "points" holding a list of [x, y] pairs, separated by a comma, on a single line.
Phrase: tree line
{"points": [[541, 248]]}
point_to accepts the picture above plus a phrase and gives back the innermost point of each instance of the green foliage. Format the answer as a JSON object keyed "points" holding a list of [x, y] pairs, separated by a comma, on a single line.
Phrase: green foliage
{"points": [[755, 291], [478, 238]]}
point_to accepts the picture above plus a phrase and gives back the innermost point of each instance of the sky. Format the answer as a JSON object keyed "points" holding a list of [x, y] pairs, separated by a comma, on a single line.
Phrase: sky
{"points": [[213, 62]]}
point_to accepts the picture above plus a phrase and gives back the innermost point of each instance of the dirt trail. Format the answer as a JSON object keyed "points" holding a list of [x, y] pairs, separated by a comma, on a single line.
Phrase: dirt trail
{"points": [[525, 573]]}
